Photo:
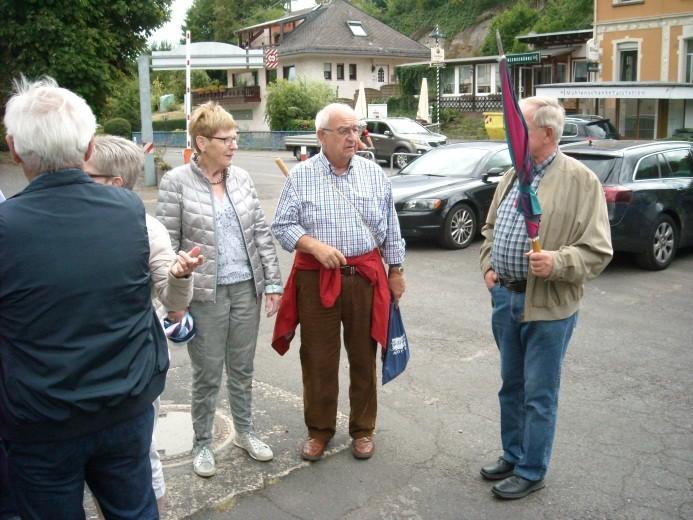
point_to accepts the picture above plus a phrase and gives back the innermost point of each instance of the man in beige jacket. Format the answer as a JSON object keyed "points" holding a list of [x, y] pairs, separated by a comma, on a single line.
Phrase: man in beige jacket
{"points": [[536, 295]]}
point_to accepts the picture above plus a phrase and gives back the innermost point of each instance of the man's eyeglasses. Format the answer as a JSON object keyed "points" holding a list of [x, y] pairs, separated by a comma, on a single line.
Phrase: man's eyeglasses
{"points": [[343, 131], [228, 141]]}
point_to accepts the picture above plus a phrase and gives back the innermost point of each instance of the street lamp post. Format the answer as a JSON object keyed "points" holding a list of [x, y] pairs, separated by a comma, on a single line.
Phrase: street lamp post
{"points": [[437, 61]]}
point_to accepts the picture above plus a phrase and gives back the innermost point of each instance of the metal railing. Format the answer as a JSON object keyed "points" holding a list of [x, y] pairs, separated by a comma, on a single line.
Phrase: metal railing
{"points": [[246, 140], [407, 155]]}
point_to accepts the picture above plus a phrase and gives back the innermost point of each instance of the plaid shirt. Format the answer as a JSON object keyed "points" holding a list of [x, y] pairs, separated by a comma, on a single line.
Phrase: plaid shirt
{"points": [[310, 204], [510, 234]]}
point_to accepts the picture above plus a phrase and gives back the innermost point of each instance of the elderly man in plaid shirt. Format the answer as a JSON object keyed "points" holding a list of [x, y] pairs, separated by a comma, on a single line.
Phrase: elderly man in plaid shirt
{"points": [[536, 295], [336, 212]]}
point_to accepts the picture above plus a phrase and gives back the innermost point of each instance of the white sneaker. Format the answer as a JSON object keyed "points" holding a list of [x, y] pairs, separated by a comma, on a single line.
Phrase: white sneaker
{"points": [[203, 463], [254, 446]]}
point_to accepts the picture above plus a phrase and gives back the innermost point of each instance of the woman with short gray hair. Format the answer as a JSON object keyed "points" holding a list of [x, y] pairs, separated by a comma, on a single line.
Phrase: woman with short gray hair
{"points": [[213, 204]]}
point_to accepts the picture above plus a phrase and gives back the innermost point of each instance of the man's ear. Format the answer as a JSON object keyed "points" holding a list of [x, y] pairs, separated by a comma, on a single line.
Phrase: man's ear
{"points": [[117, 181], [10, 143], [90, 150]]}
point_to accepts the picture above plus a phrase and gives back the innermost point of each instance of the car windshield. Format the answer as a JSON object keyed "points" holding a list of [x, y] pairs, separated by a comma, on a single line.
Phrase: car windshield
{"points": [[447, 162], [601, 130], [406, 126], [601, 165]]}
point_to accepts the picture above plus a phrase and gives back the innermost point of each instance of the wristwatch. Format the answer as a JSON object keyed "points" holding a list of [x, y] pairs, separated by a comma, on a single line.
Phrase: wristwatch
{"points": [[396, 268]]}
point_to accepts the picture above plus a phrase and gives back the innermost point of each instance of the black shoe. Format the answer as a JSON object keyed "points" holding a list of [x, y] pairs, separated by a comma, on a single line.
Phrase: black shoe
{"points": [[516, 487], [498, 471]]}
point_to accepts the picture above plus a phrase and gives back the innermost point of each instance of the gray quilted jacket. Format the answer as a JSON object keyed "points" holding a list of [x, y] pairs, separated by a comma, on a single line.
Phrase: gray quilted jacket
{"points": [[186, 208]]}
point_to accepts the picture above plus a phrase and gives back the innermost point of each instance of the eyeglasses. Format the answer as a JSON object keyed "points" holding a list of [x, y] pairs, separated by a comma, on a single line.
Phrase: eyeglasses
{"points": [[228, 141], [343, 131]]}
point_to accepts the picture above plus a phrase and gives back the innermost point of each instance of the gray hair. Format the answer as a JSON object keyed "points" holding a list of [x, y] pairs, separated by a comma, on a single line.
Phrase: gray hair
{"points": [[118, 157], [50, 126], [322, 118], [548, 113]]}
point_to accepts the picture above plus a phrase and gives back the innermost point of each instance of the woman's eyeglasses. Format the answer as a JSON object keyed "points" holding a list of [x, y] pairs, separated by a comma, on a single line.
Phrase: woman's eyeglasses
{"points": [[228, 141]]}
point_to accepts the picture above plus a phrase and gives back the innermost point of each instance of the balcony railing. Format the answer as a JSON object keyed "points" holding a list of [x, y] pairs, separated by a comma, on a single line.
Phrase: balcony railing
{"points": [[229, 96], [473, 103]]}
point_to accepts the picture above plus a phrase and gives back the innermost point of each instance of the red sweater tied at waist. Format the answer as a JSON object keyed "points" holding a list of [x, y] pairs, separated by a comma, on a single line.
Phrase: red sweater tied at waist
{"points": [[368, 265]]}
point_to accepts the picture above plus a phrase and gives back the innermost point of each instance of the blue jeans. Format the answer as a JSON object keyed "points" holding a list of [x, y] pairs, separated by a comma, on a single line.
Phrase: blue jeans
{"points": [[531, 357], [48, 478]]}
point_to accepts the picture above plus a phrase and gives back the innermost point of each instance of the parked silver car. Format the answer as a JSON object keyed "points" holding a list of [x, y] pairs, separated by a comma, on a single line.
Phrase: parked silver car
{"points": [[394, 135]]}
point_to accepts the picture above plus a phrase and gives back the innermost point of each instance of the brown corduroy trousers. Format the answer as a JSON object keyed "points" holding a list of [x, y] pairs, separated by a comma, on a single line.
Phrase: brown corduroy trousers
{"points": [[320, 349]]}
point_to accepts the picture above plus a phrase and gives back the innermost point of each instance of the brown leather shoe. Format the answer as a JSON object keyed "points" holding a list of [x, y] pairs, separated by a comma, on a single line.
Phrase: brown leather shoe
{"points": [[313, 449], [363, 447]]}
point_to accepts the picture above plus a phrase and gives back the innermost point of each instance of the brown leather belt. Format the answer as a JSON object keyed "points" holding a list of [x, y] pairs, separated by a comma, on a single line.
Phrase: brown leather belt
{"points": [[348, 270], [518, 286]]}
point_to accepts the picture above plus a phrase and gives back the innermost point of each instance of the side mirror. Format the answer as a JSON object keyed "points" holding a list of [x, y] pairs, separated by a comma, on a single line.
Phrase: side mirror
{"points": [[387, 133], [493, 172]]}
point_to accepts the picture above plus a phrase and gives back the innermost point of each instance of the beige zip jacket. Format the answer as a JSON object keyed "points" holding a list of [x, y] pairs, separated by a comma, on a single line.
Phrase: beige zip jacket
{"points": [[574, 224], [186, 209]]}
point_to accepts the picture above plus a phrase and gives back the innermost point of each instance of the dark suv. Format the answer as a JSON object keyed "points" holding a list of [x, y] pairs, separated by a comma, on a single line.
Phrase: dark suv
{"points": [[580, 127], [649, 194]]}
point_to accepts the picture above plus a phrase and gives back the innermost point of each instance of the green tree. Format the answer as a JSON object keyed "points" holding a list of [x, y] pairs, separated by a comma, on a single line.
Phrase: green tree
{"points": [[519, 19], [565, 15], [218, 20], [291, 104], [83, 44]]}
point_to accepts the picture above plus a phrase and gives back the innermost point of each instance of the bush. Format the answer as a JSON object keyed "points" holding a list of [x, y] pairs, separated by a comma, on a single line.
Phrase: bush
{"points": [[291, 105], [118, 126], [402, 106], [3, 141], [168, 125]]}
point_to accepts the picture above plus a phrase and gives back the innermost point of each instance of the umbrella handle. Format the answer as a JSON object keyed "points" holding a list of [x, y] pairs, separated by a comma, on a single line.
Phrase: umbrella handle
{"points": [[282, 166], [536, 245]]}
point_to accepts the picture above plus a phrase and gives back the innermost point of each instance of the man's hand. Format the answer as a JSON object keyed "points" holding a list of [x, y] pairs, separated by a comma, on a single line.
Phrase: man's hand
{"points": [[186, 263], [397, 285], [328, 256], [490, 279], [541, 263], [272, 302]]}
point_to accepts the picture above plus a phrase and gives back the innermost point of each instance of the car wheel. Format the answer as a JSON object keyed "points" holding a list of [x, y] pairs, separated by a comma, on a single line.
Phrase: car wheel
{"points": [[664, 241], [459, 228], [401, 160]]}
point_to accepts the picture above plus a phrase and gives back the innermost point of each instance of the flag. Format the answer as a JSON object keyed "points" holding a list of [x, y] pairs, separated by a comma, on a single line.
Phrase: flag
{"points": [[517, 137]]}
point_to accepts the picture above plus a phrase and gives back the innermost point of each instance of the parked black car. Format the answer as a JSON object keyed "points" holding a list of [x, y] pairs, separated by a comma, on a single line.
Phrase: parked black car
{"points": [[446, 193], [582, 127], [649, 193]]}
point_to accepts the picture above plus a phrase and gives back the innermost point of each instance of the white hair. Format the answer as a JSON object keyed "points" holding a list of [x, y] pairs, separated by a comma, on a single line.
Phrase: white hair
{"points": [[50, 126], [115, 156], [322, 118], [548, 112]]}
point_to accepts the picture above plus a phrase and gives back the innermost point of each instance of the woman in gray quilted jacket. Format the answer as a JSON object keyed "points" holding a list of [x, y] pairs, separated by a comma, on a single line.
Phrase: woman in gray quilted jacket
{"points": [[214, 205]]}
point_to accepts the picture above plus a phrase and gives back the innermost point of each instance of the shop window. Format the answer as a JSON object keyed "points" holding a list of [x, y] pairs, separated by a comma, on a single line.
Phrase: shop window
{"points": [[546, 74], [340, 71], [483, 78], [447, 80], [466, 79], [689, 61], [327, 71], [560, 72], [579, 70], [352, 71], [628, 61]]}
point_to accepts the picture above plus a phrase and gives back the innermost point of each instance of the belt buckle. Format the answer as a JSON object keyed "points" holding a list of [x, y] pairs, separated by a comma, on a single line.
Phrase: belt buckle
{"points": [[348, 270]]}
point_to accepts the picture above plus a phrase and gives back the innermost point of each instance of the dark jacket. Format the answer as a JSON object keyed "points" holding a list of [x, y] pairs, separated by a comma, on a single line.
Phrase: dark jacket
{"points": [[80, 346]]}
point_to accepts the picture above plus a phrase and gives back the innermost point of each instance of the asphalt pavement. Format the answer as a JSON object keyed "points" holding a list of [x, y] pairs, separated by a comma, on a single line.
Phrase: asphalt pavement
{"points": [[624, 443]]}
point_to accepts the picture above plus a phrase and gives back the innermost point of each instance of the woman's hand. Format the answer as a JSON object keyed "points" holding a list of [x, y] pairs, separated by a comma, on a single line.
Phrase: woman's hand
{"points": [[186, 263], [272, 302]]}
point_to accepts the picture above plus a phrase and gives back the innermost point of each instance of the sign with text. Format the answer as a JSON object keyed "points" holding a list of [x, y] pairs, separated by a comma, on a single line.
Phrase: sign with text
{"points": [[437, 55], [524, 58]]}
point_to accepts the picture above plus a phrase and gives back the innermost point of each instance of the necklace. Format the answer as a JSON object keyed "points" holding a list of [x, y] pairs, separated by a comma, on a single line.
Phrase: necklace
{"points": [[221, 179]]}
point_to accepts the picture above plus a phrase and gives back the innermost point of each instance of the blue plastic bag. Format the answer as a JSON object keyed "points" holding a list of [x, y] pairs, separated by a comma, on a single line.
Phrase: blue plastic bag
{"points": [[396, 355]]}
